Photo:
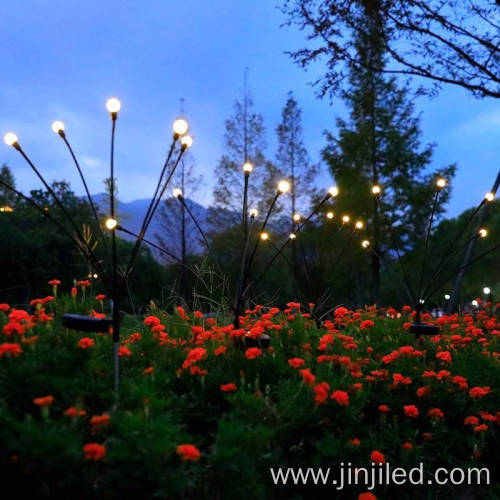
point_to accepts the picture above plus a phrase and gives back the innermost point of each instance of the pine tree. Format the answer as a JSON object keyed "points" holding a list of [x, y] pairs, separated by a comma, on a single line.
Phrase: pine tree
{"points": [[243, 142], [380, 145], [292, 158], [7, 197]]}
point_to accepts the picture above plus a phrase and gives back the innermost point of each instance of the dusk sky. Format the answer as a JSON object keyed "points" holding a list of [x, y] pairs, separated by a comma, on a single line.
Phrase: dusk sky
{"points": [[63, 59]]}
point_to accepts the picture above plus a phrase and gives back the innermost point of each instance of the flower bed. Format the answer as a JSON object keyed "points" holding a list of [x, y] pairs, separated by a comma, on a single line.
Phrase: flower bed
{"points": [[202, 416]]}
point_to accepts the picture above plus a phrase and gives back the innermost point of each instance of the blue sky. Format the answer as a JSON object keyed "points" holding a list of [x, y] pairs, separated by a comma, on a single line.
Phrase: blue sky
{"points": [[63, 59]]}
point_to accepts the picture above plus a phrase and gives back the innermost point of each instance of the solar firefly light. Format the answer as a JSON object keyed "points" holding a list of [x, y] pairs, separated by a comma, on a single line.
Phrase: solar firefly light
{"points": [[109, 271]]}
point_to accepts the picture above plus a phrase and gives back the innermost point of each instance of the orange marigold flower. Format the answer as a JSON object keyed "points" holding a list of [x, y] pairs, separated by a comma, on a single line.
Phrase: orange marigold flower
{"points": [[444, 356], [220, 350], [411, 411], [377, 457], [435, 413], [471, 420], [124, 352], [307, 377], [367, 323], [188, 452], [296, 362], [86, 342], [341, 397], [340, 312], [407, 446], [321, 392], [481, 428], [98, 421], [478, 392], [44, 401], [13, 327], [11, 349], [100, 296], [4, 307], [384, 408], [54, 282], [228, 387], [148, 371], [354, 442], [367, 496], [74, 412], [151, 320], [94, 451], [193, 356], [253, 352]]}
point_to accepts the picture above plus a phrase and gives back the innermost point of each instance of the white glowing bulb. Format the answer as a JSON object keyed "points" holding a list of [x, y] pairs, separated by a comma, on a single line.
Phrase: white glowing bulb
{"points": [[177, 192], [365, 243], [333, 191], [296, 217], [489, 196], [253, 213], [10, 138], [447, 296], [247, 167], [293, 236], [283, 186], [329, 215], [180, 127], [111, 223], [113, 105], [441, 183], [359, 224], [486, 290], [483, 232], [346, 219], [58, 126], [186, 142], [264, 236], [376, 189], [475, 303]]}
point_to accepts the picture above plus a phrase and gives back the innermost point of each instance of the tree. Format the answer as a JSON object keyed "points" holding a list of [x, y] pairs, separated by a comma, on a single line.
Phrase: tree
{"points": [[7, 197], [380, 145], [243, 142], [443, 41], [179, 234], [292, 158], [293, 161]]}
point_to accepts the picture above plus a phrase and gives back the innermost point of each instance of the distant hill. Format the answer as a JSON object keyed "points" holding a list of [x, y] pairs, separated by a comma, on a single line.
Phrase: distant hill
{"points": [[131, 215]]}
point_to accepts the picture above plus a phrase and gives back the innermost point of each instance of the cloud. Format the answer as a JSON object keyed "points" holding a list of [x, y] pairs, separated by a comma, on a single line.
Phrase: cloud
{"points": [[91, 161]]}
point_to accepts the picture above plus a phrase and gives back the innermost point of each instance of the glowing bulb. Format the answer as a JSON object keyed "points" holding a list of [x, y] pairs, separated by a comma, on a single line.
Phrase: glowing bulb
{"points": [[474, 303], [441, 183], [293, 236], [177, 192], [296, 217], [283, 186], [247, 167], [489, 196], [180, 127], [264, 236], [111, 223], [186, 142], [359, 224], [447, 296], [58, 127], [113, 105], [333, 191], [421, 301], [346, 219], [483, 232], [376, 189], [10, 139], [253, 213], [365, 243], [95, 276], [486, 290], [329, 215]]}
